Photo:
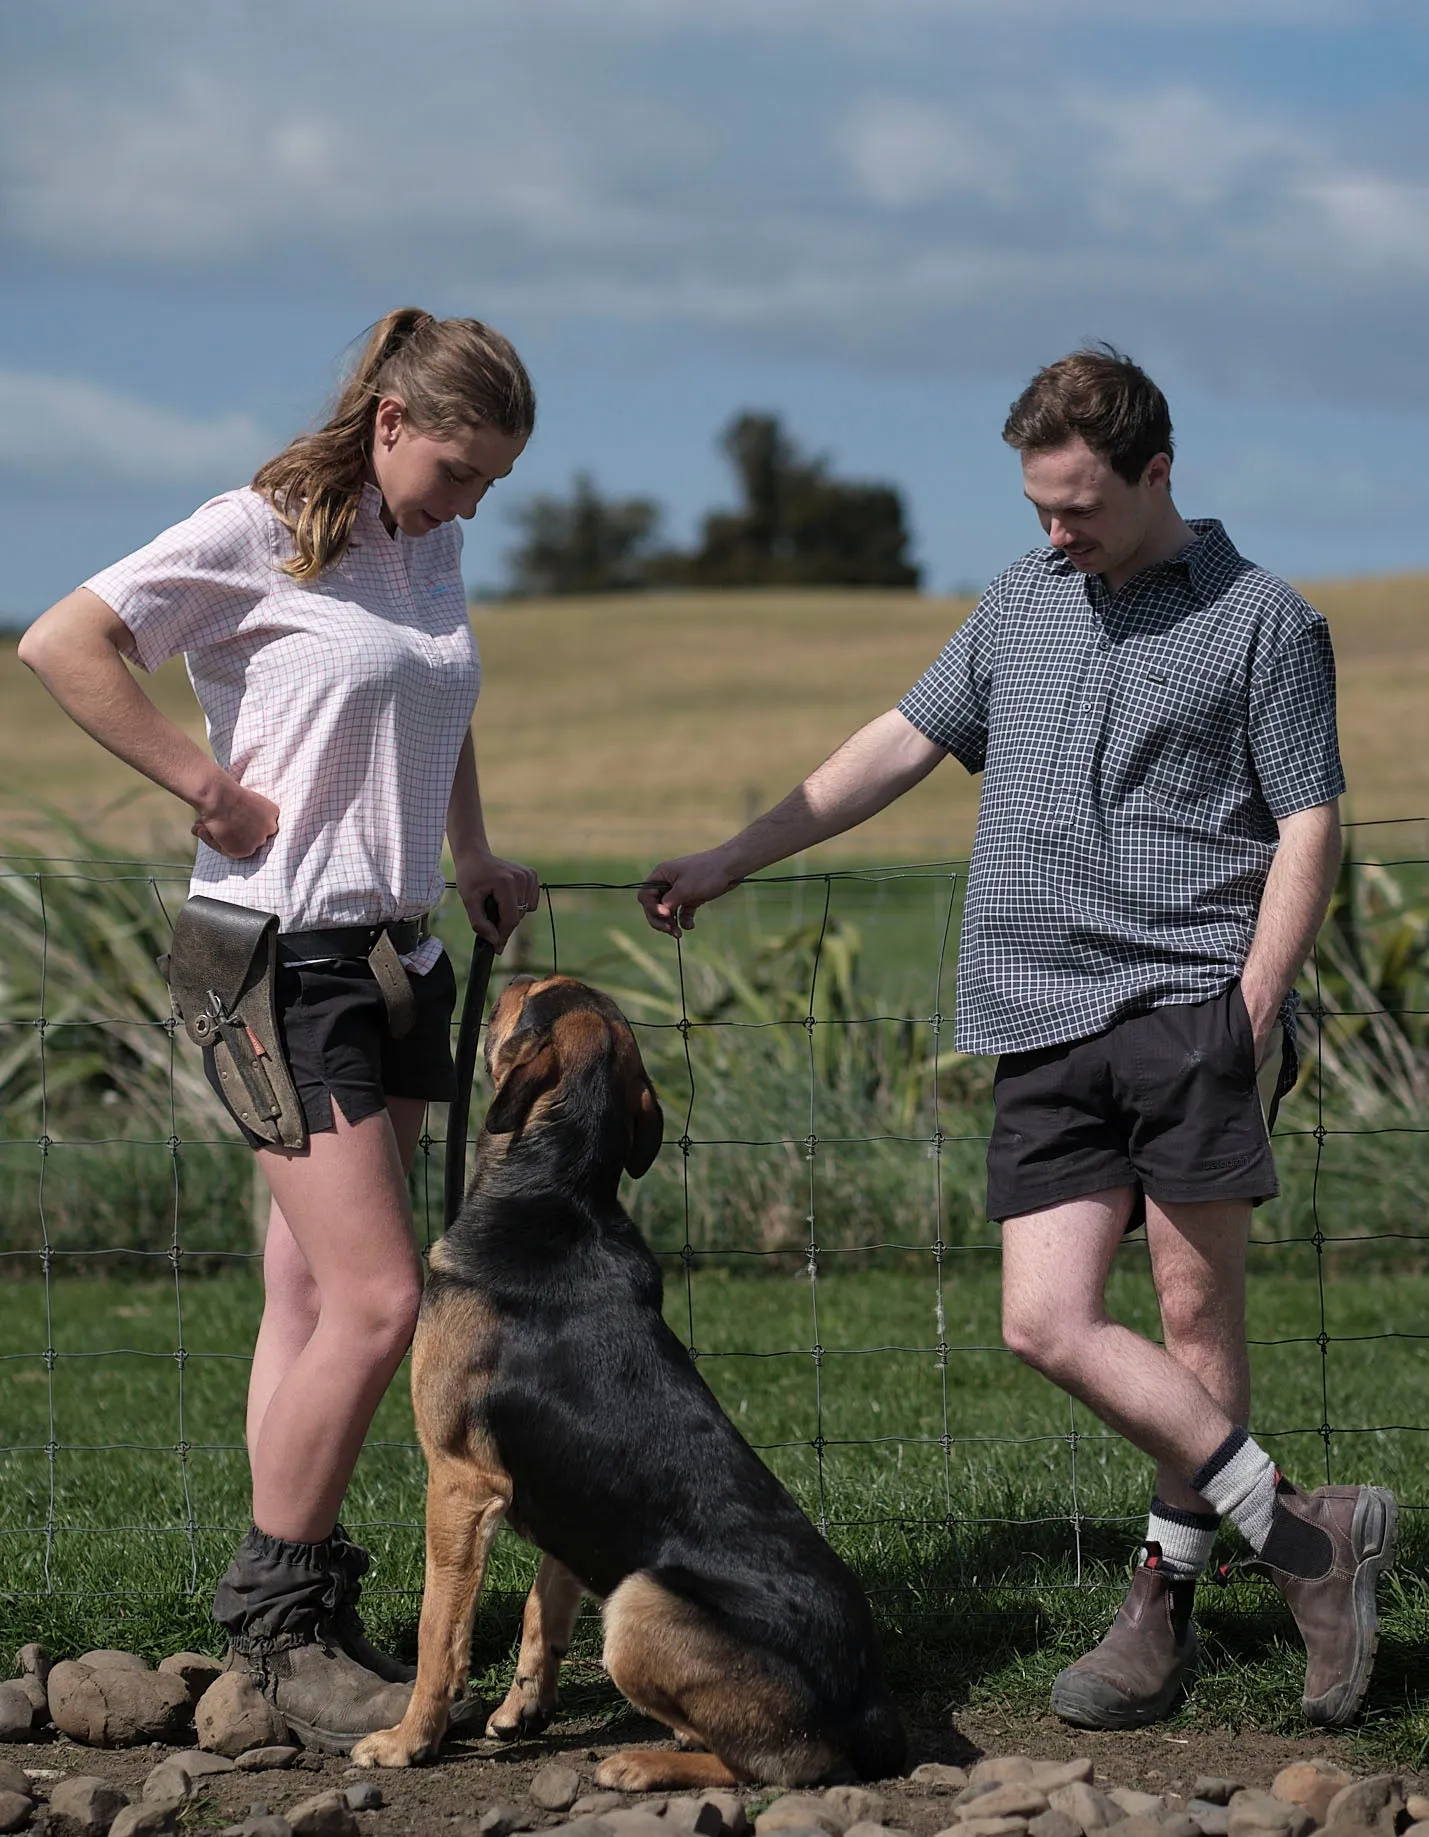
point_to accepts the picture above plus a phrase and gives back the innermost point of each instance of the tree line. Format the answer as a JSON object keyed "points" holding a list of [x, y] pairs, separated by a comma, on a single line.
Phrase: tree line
{"points": [[796, 526]]}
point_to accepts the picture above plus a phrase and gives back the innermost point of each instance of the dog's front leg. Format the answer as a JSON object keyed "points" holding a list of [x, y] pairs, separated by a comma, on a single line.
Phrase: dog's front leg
{"points": [[465, 1506], [551, 1609]]}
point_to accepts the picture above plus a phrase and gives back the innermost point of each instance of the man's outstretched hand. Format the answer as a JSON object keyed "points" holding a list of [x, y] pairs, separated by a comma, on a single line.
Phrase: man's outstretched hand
{"points": [[675, 890]]}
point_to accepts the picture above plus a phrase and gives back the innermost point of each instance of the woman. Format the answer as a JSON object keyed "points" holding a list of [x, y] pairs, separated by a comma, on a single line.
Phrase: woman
{"points": [[323, 619]]}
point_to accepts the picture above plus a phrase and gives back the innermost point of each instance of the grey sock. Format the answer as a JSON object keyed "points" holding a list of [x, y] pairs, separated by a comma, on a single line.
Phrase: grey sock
{"points": [[1239, 1481]]}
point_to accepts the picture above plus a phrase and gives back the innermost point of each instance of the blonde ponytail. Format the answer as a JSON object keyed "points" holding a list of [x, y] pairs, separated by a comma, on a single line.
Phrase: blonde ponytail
{"points": [[451, 375]]}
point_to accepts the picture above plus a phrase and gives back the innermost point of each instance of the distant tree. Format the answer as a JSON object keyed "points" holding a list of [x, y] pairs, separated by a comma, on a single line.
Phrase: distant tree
{"points": [[798, 526], [582, 544]]}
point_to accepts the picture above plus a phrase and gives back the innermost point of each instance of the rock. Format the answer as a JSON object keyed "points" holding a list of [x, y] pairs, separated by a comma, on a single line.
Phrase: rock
{"points": [[693, 1818], [366, 1795], [234, 1715], [1139, 1824], [991, 1827], [634, 1821], [168, 1784], [1000, 1770], [1054, 1824], [1048, 1775], [1374, 1805], [731, 1809], [801, 1810], [583, 1827], [1180, 1824], [1017, 1799], [326, 1814], [32, 1662], [1419, 1828], [592, 1804], [1311, 1783], [15, 1779], [1137, 1804], [866, 1829], [105, 1658], [857, 1804], [146, 1821], [1417, 1806], [195, 1669], [15, 1809], [271, 1826], [971, 1792], [501, 1820], [1253, 1813], [83, 1806], [17, 1713], [1214, 1790], [1085, 1806], [939, 1777], [199, 1764], [265, 1760], [117, 1706], [554, 1788], [1211, 1820]]}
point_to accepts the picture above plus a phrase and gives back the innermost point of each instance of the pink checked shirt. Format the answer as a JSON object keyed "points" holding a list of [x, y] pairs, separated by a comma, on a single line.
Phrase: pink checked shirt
{"points": [[346, 701]]}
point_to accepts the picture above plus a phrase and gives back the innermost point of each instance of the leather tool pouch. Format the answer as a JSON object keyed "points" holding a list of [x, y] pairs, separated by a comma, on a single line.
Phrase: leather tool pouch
{"points": [[222, 972]]}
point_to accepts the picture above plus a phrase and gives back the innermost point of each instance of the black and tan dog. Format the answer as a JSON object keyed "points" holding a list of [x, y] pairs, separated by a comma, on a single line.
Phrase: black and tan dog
{"points": [[550, 1393]]}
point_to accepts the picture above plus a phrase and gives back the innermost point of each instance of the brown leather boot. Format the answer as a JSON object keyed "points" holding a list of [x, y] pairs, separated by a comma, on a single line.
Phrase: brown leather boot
{"points": [[277, 1600], [348, 1564], [1325, 1553], [1140, 1671]]}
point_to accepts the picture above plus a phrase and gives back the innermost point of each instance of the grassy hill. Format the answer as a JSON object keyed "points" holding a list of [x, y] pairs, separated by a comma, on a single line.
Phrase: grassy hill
{"points": [[629, 727]]}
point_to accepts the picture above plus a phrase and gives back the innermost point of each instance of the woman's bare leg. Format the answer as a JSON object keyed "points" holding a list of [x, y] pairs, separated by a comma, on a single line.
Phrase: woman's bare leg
{"points": [[290, 1296], [343, 1309]]}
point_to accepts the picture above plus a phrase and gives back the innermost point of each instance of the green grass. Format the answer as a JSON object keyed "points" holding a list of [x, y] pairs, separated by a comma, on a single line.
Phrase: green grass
{"points": [[970, 1549]]}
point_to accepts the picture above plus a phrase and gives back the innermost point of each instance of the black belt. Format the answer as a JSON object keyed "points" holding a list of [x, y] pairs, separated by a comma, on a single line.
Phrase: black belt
{"points": [[350, 940]]}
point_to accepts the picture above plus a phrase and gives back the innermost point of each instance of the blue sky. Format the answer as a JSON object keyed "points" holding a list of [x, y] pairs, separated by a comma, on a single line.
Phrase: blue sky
{"points": [[875, 216]]}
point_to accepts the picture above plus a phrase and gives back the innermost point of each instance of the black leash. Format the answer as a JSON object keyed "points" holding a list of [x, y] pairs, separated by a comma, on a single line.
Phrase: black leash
{"points": [[473, 1009]]}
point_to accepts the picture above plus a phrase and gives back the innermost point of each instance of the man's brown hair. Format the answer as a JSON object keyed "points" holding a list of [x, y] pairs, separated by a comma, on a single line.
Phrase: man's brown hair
{"points": [[1101, 396]]}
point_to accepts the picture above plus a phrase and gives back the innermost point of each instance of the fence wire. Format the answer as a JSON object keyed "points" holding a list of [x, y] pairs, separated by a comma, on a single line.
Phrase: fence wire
{"points": [[819, 1129]]}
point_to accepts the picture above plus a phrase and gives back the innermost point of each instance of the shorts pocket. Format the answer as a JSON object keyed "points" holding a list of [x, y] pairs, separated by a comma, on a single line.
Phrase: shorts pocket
{"points": [[1242, 1034]]}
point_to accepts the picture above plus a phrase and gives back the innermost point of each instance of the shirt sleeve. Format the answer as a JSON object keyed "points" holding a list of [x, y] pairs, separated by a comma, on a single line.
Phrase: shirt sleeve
{"points": [[192, 585], [1294, 742], [949, 702]]}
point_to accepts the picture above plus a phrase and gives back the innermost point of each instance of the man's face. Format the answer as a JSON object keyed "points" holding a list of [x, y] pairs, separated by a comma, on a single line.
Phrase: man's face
{"points": [[1089, 511]]}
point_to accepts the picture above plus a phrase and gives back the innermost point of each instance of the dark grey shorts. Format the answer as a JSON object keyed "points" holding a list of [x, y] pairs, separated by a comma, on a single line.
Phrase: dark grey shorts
{"points": [[1166, 1102], [340, 1049]]}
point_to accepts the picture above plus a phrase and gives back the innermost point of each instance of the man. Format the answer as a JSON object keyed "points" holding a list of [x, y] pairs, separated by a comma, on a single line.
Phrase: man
{"points": [[1156, 845]]}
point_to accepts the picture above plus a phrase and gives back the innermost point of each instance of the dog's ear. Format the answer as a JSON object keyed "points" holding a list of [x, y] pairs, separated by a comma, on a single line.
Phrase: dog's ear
{"points": [[647, 1125], [537, 1069]]}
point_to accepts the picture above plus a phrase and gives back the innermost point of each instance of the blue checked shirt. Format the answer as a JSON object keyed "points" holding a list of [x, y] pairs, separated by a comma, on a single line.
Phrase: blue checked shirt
{"points": [[1137, 750]]}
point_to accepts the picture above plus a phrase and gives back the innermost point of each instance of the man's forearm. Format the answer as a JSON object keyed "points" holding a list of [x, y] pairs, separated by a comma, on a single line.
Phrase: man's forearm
{"points": [[1297, 895], [878, 764]]}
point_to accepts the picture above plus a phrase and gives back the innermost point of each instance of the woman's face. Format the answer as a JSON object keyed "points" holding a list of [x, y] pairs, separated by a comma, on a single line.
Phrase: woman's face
{"points": [[426, 480]]}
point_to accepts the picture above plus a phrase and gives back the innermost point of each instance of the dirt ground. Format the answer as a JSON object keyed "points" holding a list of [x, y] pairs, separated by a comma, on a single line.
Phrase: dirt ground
{"points": [[472, 1776]]}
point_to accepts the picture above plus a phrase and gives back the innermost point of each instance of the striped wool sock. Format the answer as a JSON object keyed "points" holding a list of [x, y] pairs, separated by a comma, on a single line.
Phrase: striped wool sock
{"points": [[1183, 1538], [1239, 1481]]}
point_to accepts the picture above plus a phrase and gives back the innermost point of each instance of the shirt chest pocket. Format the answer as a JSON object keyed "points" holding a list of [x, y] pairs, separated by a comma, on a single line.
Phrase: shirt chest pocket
{"points": [[1177, 730]]}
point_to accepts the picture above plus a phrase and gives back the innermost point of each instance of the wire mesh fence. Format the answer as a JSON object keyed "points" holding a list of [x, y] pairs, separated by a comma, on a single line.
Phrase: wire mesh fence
{"points": [[822, 1135]]}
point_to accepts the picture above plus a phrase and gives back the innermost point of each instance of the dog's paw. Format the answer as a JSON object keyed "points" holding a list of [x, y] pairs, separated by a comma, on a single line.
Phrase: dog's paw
{"points": [[387, 1748], [636, 1770], [519, 1717]]}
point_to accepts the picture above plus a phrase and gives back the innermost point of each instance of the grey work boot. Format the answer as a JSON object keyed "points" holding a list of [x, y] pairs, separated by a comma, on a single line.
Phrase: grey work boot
{"points": [[350, 1562], [1141, 1670], [277, 1601], [1325, 1553]]}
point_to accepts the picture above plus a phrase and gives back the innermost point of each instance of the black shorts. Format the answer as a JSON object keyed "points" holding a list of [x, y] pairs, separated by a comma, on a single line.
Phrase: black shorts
{"points": [[340, 1049], [1167, 1102]]}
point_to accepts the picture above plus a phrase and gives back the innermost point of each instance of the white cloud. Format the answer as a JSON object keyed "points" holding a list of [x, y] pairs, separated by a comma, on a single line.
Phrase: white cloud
{"points": [[902, 152], [62, 427]]}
